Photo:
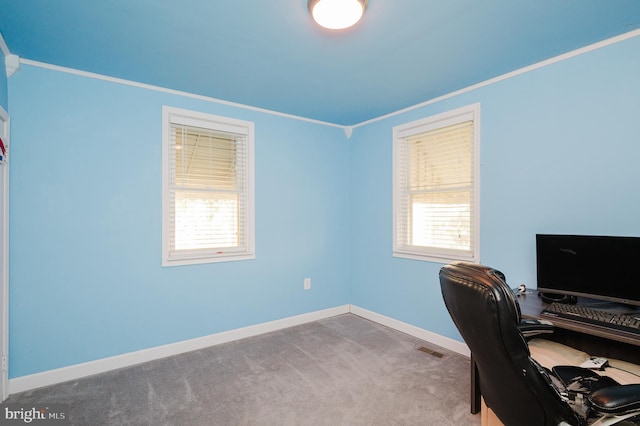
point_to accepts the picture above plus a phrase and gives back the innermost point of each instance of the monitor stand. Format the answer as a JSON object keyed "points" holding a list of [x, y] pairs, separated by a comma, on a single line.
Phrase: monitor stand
{"points": [[558, 298]]}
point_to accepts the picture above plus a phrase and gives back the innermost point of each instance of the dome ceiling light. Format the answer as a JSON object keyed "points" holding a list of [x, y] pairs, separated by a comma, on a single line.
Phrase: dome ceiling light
{"points": [[336, 14]]}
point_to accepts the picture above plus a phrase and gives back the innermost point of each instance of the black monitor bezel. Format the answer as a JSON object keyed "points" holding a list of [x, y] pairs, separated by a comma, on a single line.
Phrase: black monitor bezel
{"points": [[602, 293]]}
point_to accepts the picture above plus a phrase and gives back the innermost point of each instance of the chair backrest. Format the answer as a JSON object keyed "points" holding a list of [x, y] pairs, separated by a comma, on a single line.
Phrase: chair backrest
{"points": [[486, 313]]}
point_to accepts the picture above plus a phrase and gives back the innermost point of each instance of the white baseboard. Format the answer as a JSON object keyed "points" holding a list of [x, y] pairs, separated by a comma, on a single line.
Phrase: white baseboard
{"points": [[420, 333], [73, 372]]}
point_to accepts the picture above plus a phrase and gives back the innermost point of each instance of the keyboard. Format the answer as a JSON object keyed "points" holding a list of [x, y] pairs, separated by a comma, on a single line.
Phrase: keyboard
{"points": [[629, 323]]}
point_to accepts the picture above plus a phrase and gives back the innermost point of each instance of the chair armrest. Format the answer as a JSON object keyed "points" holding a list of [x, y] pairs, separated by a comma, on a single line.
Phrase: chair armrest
{"points": [[616, 399], [533, 327]]}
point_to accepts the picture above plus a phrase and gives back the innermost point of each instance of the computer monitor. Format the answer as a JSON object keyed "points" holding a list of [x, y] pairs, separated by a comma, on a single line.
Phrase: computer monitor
{"points": [[598, 267]]}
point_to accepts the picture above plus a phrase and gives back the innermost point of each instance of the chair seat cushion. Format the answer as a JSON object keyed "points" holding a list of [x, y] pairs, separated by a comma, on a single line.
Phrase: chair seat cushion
{"points": [[582, 380]]}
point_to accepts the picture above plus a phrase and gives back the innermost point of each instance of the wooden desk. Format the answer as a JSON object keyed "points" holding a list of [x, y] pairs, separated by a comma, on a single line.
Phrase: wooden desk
{"points": [[594, 340]]}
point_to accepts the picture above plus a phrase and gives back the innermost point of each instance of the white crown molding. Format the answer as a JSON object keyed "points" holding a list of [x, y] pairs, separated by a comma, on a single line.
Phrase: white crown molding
{"points": [[173, 92], [347, 129], [550, 61], [4, 47], [12, 62]]}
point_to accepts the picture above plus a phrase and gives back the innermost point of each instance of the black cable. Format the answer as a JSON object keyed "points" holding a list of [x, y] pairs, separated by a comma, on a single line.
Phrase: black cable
{"points": [[622, 369]]}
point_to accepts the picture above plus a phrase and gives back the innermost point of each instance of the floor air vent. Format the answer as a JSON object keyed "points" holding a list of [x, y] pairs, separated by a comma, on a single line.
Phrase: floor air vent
{"points": [[430, 352]]}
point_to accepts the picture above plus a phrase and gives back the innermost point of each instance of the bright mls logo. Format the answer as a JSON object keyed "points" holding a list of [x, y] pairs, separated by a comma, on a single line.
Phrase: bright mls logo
{"points": [[39, 415]]}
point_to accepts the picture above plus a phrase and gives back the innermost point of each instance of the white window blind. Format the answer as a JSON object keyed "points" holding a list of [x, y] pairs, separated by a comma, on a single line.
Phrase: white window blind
{"points": [[436, 187], [208, 197]]}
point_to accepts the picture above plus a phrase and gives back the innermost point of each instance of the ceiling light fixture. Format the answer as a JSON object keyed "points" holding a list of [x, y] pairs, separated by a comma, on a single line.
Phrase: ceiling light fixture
{"points": [[336, 14]]}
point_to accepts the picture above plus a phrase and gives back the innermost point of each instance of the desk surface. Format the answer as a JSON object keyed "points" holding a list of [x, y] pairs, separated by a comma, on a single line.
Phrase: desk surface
{"points": [[594, 340], [604, 341]]}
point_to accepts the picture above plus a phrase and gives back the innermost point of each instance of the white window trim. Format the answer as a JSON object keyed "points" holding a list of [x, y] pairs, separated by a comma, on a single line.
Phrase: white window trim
{"points": [[4, 256], [171, 115], [436, 121]]}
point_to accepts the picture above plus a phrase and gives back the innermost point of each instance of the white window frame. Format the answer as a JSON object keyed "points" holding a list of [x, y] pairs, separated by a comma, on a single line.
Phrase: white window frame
{"points": [[404, 249], [172, 116]]}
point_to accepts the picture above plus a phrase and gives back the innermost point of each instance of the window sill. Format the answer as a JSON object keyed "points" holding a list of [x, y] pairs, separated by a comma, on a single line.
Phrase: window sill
{"points": [[208, 259], [428, 257]]}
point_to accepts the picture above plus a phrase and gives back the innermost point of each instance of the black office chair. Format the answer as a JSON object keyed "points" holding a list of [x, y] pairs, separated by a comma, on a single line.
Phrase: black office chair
{"points": [[518, 390]]}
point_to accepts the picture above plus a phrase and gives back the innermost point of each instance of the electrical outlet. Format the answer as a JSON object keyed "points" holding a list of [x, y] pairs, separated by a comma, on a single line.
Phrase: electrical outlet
{"points": [[307, 283]]}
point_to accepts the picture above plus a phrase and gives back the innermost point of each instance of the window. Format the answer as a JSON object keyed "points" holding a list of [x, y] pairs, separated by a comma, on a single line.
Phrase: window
{"points": [[208, 213], [436, 186]]}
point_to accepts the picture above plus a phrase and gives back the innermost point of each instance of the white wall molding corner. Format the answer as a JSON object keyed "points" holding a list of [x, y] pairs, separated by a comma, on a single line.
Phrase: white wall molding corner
{"points": [[12, 63]]}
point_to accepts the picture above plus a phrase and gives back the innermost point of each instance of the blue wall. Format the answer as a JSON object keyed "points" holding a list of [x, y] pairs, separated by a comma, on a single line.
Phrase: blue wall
{"points": [[559, 154], [85, 253]]}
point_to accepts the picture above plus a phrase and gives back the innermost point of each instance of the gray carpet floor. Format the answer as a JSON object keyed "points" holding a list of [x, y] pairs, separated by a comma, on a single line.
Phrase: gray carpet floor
{"points": [[343, 370]]}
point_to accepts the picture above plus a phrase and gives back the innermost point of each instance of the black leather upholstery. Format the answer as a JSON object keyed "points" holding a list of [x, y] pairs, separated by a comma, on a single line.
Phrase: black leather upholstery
{"points": [[487, 316], [618, 399]]}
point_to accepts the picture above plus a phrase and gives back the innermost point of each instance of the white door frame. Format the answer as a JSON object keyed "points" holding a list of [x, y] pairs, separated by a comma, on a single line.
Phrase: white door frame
{"points": [[4, 260]]}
